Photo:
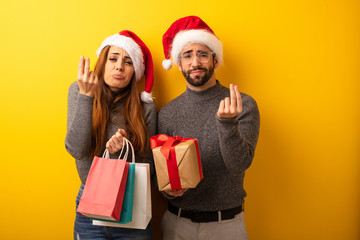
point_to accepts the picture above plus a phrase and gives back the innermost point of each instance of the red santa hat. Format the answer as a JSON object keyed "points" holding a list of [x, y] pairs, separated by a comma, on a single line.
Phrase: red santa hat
{"points": [[139, 54], [188, 30]]}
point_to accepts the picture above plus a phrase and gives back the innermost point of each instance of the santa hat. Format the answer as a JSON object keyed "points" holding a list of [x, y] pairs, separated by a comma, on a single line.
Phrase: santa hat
{"points": [[139, 54], [188, 30]]}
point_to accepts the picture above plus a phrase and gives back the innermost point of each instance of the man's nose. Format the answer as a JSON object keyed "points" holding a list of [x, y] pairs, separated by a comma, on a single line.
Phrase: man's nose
{"points": [[195, 61]]}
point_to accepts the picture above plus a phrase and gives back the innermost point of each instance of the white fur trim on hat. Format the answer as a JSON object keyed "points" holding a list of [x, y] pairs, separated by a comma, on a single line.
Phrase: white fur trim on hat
{"points": [[131, 47], [200, 36]]}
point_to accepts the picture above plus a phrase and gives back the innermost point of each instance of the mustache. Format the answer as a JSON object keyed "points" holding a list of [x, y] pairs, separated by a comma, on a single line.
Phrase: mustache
{"points": [[195, 69]]}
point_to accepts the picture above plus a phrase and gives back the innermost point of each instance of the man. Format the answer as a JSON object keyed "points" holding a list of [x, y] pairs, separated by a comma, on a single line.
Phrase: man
{"points": [[226, 124]]}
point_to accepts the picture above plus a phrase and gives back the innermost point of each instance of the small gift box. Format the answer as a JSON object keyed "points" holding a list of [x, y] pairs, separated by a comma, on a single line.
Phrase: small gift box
{"points": [[177, 162]]}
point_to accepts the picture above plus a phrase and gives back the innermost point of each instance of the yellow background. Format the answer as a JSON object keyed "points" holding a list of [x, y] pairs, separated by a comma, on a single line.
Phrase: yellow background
{"points": [[299, 60]]}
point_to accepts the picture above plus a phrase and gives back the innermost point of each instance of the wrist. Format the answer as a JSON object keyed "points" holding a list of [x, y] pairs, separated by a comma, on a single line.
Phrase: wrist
{"points": [[89, 94]]}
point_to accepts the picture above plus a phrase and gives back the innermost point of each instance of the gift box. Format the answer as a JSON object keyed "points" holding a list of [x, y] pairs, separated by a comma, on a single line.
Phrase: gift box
{"points": [[177, 162]]}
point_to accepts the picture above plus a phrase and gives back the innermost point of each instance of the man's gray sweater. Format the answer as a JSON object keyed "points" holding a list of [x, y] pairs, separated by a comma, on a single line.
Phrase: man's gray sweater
{"points": [[226, 145]]}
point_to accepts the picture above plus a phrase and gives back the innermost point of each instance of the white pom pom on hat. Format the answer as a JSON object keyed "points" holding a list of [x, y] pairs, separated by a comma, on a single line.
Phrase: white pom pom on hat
{"points": [[188, 30], [139, 54], [167, 64]]}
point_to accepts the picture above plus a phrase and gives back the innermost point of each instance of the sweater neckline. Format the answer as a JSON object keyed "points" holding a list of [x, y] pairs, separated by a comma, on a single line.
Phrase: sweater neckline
{"points": [[206, 94]]}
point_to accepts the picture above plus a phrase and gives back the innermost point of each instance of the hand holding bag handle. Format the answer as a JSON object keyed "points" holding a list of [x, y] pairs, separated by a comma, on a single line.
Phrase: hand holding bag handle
{"points": [[106, 153]]}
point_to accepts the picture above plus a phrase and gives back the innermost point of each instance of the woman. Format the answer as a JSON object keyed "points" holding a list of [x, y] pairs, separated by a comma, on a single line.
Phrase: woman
{"points": [[103, 107]]}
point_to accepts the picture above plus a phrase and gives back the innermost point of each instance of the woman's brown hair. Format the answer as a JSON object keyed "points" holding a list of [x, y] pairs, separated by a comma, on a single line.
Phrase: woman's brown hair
{"points": [[105, 102]]}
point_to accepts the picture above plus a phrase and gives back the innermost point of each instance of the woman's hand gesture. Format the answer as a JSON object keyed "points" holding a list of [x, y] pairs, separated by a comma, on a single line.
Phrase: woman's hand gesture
{"points": [[86, 79]]}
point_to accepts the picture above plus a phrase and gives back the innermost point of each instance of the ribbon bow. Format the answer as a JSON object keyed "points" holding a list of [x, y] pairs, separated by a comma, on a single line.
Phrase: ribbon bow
{"points": [[166, 142]]}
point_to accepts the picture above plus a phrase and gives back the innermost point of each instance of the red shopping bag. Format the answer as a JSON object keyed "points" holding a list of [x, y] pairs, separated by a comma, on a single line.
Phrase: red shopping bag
{"points": [[104, 189]]}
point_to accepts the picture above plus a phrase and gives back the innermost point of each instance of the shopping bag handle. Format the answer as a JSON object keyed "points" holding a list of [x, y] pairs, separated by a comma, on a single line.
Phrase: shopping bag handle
{"points": [[122, 149], [128, 143], [126, 154]]}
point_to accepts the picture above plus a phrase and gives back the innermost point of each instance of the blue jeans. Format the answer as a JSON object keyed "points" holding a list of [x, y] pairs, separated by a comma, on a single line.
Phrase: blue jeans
{"points": [[84, 230]]}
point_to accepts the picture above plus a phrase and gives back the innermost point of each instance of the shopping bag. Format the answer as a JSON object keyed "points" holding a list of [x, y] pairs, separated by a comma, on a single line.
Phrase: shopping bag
{"points": [[104, 188], [141, 213], [127, 207]]}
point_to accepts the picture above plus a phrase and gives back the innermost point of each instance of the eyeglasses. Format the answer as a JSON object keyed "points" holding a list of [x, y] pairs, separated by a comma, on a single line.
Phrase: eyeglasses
{"points": [[202, 57]]}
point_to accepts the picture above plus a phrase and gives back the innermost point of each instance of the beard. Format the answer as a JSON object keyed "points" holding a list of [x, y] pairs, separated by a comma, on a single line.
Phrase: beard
{"points": [[198, 80]]}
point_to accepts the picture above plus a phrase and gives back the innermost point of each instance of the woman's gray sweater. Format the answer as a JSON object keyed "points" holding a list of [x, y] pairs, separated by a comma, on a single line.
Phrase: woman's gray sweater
{"points": [[79, 128]]}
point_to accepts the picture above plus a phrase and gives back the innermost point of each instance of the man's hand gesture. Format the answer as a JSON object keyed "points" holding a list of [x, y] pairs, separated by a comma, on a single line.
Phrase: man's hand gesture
{"points": [[230, 107]]}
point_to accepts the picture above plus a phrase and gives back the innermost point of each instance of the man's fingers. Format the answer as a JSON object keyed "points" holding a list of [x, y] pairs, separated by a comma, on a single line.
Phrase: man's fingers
{"points": [[232, 98], [227, 105], [238, 100], [175, 193], [221, 108], [231, 106]]}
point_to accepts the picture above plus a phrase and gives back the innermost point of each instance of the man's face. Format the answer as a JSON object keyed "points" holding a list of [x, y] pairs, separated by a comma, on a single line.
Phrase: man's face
{"points": [[197, 64]]}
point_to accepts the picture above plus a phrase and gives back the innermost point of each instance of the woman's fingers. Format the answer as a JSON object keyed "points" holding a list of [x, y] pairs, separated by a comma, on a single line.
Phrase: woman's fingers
{"points": [[80, 69], [83, 70], [87, 79], [123, 132], [91, 78], [115, 143], [96, 80], [87, 67], [112, 146], [118, 139], [109, 147]]}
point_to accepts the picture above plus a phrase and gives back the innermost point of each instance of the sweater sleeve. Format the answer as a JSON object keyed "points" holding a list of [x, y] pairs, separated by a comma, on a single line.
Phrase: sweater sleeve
{"points": [[79, 123], [238, 137]]}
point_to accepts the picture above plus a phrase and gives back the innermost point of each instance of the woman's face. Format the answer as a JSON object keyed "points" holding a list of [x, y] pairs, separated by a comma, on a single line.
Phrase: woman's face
{"points": [[119, 69]]}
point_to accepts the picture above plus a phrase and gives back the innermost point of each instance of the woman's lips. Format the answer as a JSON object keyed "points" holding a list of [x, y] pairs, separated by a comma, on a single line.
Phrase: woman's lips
{"points": [[118, 76]]}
